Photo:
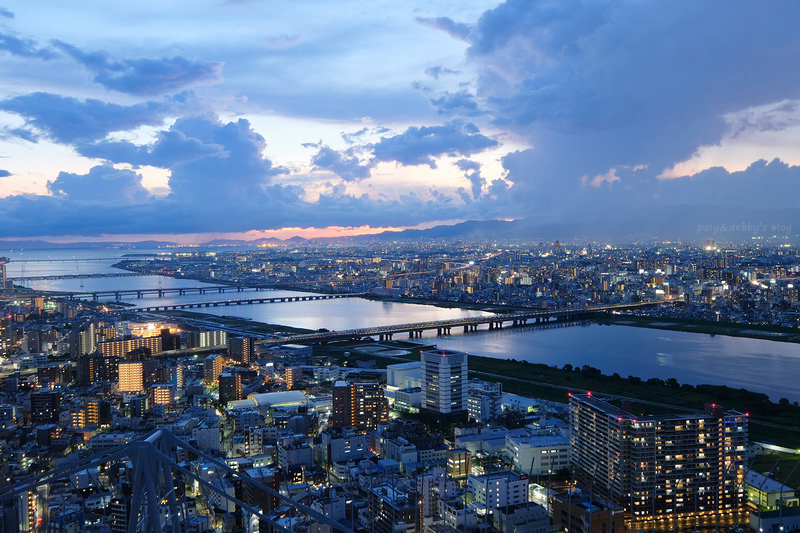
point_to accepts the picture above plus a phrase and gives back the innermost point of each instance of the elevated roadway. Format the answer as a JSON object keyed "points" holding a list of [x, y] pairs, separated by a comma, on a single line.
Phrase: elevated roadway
{"points": [[247, 301], [443, 327]]}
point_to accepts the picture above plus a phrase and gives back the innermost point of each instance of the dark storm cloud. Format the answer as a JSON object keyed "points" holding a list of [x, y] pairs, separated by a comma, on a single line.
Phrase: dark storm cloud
{"points": [[66, 120], [24, 48], [472, 173], [144, 76], [615, 70], [600, 87], [460, 102], [170, 149], [345, 164], [420, 145]]}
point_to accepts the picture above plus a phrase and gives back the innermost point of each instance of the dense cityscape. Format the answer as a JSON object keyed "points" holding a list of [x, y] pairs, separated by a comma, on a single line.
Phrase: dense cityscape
{"points": [[497, 266], [259, 431]]}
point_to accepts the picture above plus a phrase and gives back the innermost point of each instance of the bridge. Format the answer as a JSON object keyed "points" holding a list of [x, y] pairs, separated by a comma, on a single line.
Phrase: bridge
{"points": [[248, 301], [22, 279], [443, 327], [160, 292]]}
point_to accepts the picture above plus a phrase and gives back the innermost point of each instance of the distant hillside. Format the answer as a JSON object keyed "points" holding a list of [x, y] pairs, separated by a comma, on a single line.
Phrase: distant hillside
{"points": [[689, 223]]}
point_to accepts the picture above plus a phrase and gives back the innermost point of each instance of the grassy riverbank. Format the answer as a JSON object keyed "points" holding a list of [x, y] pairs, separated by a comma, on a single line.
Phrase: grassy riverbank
{"points": [[732, 329], [778, 423]]}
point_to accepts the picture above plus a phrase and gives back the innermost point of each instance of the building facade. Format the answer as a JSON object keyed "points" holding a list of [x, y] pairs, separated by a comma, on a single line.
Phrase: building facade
{"points": [[360, 405], [660, 467], [444, 385]]}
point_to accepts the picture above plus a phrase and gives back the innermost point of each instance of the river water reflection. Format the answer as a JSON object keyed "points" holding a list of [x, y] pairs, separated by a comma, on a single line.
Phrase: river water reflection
{"points": [[765, 366]]}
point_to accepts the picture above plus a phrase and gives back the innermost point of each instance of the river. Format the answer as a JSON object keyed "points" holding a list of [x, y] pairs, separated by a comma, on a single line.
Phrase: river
{"points": [[764, 366]]}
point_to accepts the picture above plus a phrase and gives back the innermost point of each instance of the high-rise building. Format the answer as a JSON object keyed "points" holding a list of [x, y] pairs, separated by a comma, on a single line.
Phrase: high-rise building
{"points": [[360, 405], [660, 467], [81, 341], [120, 348], [45, 406], [131, 377], [212, 367], [230, 387], [5, 333], [444, 385], [3, 261], [206, 339], [241, 349], [97, 367]]}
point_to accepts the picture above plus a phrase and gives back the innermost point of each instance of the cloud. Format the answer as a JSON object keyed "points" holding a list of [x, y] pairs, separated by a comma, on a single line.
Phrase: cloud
{"points": [[352, 138], [609, 178], [67, 120], [437, 71], [171, 148], [4, 173], [239, 171], [420, 145], [459, 30], [282, 42], [344, 164], [6, 13], [598, 88], [144, 76], [102, 184], [461, 102], [24, 48], [472, 173]]}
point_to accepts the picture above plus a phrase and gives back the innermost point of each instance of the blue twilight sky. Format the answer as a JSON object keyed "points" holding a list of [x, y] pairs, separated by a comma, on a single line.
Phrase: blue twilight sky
{"points": [[239, 117]]}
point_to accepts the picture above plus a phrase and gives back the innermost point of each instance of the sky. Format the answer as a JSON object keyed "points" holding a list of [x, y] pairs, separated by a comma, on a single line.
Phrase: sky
{"points": [[250, 118]]}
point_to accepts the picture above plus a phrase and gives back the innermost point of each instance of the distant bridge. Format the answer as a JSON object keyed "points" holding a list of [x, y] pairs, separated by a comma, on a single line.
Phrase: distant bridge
{"points": [[160, 292], [248, 301], [443, 327], [22, 279]]}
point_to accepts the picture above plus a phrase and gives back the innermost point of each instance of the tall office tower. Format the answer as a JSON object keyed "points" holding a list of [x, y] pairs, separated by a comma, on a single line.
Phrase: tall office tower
{"points": [[3, 261], [230, 387], [661, 467], [444, 386], [131, 377], [360, 405], [241, 349]]}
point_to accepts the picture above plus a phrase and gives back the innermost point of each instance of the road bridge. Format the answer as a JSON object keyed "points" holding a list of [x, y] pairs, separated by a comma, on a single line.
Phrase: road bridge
{"points": [[247, 301], [22, 279], [444, 327], [160, 292]]}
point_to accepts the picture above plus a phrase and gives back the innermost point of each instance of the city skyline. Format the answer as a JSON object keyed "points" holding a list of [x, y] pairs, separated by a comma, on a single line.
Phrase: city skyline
{"points": [[242, 119]]}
